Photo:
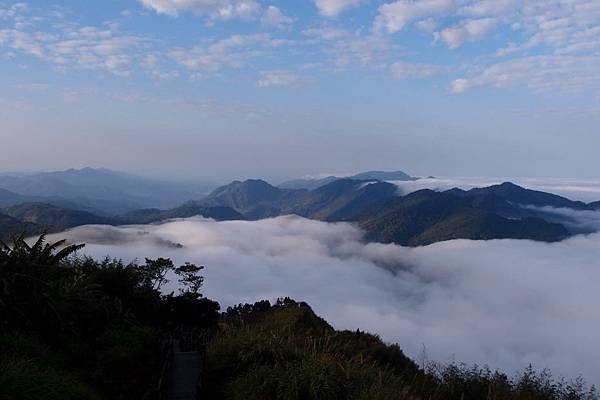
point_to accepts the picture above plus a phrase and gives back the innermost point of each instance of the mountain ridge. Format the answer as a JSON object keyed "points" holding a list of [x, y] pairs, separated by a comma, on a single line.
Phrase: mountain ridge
{"points": [[304, 183], [419, 218], [111, 192]]}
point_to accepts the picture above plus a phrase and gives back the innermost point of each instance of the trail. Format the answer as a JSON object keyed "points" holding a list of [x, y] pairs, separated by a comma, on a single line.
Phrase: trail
{"points": [[185, 375]]}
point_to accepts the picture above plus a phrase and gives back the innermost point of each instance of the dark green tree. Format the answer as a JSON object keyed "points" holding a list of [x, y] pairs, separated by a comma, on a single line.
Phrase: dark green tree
{"points": [[190, 278], [154, 272]]}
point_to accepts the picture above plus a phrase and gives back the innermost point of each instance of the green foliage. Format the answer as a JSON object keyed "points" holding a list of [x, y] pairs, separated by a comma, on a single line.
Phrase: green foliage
{"points": [[30, 379], [286, 352], [31, 369], [154, 272], [53, 217], [190, 278], [76, 328]]}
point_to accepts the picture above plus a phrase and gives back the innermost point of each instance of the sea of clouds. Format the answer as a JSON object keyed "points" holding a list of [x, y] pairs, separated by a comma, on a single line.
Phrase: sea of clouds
{"points": [[505, 303]]}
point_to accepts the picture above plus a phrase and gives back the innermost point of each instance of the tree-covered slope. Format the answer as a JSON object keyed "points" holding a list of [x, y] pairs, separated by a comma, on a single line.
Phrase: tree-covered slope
{"points": [[342, 199], [190, 209], [52, 217], [518, 195], [10, 225], [316, 183], [426, 217]]}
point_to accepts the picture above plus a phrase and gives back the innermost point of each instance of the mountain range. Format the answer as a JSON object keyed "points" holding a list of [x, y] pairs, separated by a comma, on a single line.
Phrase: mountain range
{"points": [[100, 191], [363, 176], [419, 218]]}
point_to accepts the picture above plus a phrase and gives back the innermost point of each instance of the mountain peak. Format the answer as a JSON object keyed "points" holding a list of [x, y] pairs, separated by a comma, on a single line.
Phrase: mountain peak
{"points": [[363, 176], [257, 182], [511, 185]]}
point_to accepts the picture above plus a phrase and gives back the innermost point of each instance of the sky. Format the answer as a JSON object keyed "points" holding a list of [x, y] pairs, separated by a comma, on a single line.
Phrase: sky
{"points": [[222, 89]]}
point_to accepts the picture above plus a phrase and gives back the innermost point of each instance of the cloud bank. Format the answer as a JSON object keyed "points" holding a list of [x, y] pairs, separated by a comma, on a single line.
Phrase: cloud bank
{"points": [[506, 303]]}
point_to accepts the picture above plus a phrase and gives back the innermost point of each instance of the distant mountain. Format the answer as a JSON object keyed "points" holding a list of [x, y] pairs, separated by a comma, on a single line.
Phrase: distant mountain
{"points": [[187, 210], [35, 218], [12, 225], [243, 195], [52, 217], [383, 176], [420, 218], [8, 198], [107, 191], [518, 195], [426, 217], [311, 184], [595, 205], [340, 200]]}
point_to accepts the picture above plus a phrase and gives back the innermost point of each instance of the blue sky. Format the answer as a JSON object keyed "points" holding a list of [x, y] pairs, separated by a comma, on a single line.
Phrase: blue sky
{"points": [[247, 88]]}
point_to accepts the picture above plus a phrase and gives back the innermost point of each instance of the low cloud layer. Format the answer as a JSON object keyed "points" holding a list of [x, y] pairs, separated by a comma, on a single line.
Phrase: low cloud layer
{"points": [[506, 303]]}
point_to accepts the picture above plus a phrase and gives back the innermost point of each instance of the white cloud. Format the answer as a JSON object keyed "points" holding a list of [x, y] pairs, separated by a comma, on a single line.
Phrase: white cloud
{"points": [[563, 27], [566, 26], [394, 16], [332, 8], [231, 52], [483, 8], [84, 48], [427, 25], [505, 303], [274, 17], [279, 78], [469, 31], [68, 45], [352, 49], [13, 11], [563, 35], [214, 9], [539, 73], [460, 85], [326, 33]]}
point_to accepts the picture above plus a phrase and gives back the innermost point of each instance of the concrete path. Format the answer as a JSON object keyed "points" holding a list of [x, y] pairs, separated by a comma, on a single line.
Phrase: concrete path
{"points": [[185, 376]]}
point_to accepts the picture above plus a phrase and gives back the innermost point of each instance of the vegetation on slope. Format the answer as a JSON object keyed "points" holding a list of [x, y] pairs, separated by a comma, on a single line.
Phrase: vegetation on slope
{"points": [[9, 225], [286, 352], [75, 328], [187, 210], [53, 217], [426, 217]]}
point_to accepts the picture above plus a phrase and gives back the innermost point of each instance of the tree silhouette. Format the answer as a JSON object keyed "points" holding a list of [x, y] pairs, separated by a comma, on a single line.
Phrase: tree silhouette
{"points": [[189, 277]]}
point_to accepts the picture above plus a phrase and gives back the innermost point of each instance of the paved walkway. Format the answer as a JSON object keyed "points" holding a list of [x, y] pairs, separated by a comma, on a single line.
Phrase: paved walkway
{"points": [[185, 375]]}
